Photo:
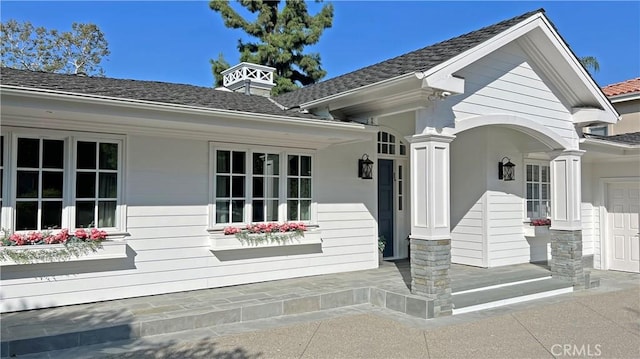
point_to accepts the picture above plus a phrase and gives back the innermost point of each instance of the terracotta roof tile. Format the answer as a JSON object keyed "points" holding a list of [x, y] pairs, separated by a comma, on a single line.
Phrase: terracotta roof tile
{"points": [[622, 88]]}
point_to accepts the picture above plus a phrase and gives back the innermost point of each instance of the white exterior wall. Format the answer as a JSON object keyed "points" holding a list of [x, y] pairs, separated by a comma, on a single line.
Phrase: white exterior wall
{"points": [[504, 82], [595, 176], [469, 198], [166, 185]]}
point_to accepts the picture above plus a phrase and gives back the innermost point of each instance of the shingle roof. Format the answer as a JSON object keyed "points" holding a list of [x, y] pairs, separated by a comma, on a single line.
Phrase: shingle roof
{"points": [[622, 88], [153, 91], [419, 60], [626, 138]]}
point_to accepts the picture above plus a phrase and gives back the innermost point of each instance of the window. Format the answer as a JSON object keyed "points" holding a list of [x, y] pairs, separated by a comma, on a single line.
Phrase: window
{"points": [[96, 184], [299, 188], [538, 187], [39, 184], [60, 182], [400, 188], [260, 186], [230, 186], [389, 145], [1, 173], [601, 130], [266, 187]]}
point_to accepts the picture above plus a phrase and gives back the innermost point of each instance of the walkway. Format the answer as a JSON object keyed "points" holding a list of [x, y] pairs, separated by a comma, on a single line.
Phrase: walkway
{"points": [[245, 305]]}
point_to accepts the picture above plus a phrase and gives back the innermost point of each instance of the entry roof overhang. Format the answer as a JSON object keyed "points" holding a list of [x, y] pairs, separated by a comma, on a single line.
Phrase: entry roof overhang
{"points": [[551, 57]]}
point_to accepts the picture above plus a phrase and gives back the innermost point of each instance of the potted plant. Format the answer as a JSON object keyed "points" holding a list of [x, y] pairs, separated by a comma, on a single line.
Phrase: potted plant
{"points": [[382, 243]]}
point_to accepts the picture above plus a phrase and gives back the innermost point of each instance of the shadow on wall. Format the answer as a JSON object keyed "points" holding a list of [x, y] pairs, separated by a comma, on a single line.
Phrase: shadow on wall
{"points": [[49, 271]]}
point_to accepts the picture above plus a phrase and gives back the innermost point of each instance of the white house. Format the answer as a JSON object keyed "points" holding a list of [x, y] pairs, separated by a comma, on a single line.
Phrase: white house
{"points": [[163, 168]]}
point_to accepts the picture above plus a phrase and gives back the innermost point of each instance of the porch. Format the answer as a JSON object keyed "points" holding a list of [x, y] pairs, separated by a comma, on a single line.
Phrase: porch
{"points": [[387, 286]]}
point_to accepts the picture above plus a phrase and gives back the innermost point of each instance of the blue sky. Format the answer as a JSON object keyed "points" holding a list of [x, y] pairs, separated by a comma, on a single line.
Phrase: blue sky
{"points": [[172, 41]]}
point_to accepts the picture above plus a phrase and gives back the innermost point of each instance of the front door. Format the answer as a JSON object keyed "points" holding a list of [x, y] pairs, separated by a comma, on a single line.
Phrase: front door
{"points": [[624, 244], [385, 204]]}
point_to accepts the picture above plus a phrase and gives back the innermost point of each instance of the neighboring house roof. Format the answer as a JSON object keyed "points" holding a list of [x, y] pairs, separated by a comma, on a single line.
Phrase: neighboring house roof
{"points": [[160, 92], [622, 88], [625, 138], [419, 60]]}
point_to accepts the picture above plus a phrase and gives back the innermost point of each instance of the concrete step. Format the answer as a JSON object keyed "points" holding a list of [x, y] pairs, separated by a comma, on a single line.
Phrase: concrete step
{"points": [[508, 293], [507, 277], [16, 342]]}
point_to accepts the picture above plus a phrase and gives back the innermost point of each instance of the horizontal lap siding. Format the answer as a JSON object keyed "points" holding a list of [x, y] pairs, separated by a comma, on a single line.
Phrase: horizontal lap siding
{"points": [[505, 83], [167, 196], [468, 199], [507, 244]]}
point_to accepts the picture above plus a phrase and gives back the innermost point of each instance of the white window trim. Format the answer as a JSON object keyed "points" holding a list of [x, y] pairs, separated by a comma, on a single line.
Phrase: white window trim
{"points": [[68, 208], [283, 152], [524, 184]]}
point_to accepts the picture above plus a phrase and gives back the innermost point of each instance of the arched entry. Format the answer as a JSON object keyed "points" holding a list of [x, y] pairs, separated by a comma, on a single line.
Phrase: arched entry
{"points": [[392, 193]]}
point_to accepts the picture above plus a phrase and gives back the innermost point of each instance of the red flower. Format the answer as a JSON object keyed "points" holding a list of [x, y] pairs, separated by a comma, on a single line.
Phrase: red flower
{"points": [[81, 234]]}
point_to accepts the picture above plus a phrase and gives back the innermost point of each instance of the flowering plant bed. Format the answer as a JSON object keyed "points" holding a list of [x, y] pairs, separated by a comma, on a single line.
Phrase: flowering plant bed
{"points": [[537, 228], [48, 247], [540, 222], [264, 235]]}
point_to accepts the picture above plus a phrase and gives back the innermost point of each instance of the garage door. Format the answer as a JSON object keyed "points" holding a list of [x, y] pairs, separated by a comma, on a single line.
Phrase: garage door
{"points": [[622, 232]]}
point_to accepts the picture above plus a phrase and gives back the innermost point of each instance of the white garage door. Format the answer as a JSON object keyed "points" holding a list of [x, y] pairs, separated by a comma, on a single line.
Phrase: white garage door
{"points": [[622, 232]]}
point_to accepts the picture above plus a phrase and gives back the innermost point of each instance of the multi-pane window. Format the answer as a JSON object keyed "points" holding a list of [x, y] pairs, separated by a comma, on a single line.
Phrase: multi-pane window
{"points": [[231, 173], [298, 188], [96, 184], [40, 183], [266, 187], [59, 182], [388, 144], [261, 186], [538, 187], [1, 172]]}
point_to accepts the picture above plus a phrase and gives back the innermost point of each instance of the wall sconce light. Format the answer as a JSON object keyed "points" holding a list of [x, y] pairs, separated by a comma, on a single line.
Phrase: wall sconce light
{"points": [[365, 167], [506, 171]]}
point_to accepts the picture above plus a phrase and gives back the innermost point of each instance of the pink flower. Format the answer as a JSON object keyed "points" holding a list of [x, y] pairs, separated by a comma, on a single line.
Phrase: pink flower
{"points": [[18, 239], [34, 237], [231, 230], [97, 235], [80, 234]]}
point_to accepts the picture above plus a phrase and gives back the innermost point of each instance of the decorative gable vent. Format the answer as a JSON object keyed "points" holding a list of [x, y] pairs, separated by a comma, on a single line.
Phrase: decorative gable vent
{"points": [[249, 78]]}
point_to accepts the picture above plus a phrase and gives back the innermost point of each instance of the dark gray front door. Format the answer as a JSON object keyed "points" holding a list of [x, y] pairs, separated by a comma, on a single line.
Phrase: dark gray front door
{"points": [[385, 204]]}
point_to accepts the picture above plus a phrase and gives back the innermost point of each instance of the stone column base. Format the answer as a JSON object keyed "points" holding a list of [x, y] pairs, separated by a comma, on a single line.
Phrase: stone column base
{"points": [[566, 256], [430, 264]]}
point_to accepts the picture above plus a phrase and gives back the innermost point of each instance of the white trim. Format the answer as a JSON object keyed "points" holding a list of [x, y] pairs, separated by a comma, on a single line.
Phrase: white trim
{"points": [[514, 300], [110, 250], [529, 127], [249, 150], [604, 182], [68, 201]]}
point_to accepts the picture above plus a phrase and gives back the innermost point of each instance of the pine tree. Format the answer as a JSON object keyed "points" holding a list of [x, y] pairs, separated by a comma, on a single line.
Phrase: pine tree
{"points": [[281, 35]]}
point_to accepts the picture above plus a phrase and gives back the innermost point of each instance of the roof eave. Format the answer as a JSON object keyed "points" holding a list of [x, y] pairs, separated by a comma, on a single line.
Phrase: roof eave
{"points": [[163, 106]]}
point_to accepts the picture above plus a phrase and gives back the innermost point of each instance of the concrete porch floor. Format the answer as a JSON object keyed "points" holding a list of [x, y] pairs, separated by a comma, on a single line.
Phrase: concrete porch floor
{"points": [[388, 286]]}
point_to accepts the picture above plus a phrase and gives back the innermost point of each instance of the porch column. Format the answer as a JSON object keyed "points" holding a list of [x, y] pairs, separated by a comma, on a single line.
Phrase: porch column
{"points": [[566, 222], [430, 228]]}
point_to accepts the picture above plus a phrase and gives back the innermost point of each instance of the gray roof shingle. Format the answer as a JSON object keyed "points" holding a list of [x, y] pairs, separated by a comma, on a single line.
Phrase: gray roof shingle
{"points": [[161, 92], [419, 60], [153, 91], [626, 138]]}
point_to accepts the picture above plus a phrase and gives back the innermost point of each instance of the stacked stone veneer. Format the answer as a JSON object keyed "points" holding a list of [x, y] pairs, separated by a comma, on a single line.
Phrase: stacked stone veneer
{"points": [[566, 256], [430, 264]]}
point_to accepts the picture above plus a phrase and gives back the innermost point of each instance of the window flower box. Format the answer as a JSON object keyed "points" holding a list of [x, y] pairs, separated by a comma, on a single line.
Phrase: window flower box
{"points": [[264, 236], [537, 228], [39, 247]]}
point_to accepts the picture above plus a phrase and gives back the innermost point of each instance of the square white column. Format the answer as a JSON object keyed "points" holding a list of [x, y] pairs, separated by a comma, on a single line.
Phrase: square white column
{"points": [[566, 190], [430, 192]]}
